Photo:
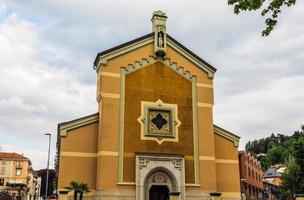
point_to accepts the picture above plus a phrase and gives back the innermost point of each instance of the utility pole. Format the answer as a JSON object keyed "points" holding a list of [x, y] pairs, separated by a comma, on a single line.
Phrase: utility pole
{"points": [[47, 167]]}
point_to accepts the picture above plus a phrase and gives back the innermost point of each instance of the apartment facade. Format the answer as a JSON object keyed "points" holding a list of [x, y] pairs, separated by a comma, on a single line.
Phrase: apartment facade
{"points": [[272, 183], [16, 175], [251, 175]]}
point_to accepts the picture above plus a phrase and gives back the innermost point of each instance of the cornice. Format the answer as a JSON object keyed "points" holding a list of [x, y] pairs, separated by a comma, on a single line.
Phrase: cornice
{"points": [[103, 57], [226, 134], [67, 126]]}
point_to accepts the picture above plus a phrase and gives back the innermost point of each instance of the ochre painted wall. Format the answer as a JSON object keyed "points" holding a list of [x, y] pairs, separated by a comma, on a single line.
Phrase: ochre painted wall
{"points": [[213, 175], [108, 107], [81, 169], [75, 164], [82, 139], [151, 83], [110, 83], [227, 167]]}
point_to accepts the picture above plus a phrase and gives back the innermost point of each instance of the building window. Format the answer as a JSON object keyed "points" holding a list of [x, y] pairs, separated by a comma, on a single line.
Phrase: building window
{"points": [[248, 171], [18, 164], [260, 178], [1, 181], [18, 172], [256, 175], [252, 174], [3, 162], [2, 172]]}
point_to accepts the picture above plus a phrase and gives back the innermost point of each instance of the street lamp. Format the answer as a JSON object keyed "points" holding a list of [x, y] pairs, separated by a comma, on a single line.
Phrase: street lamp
{"points": [[47, 167]]}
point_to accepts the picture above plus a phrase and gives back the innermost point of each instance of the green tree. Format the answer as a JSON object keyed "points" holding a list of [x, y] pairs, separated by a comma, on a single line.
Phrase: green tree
{"points": [[78, 187], [291, 180], [298, 152], [277, 155], [270, 8], [265, 162]]}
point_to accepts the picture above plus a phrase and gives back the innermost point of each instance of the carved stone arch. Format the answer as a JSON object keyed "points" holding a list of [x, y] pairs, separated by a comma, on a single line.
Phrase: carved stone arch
{"points": [[159, 170], [160, 176]]}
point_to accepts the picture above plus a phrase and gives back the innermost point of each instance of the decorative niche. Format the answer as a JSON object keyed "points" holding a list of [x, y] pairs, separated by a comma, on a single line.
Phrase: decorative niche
{"points": [[159, 121]]}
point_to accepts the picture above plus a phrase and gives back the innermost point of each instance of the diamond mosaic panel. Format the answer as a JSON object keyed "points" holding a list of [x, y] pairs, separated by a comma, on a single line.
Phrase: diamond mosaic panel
{"points": [[159, 122]]}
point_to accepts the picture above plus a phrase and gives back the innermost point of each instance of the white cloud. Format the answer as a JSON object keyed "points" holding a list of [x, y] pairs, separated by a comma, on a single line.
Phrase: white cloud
{"points": [[48, 48], [39, 87], [259, 87]]}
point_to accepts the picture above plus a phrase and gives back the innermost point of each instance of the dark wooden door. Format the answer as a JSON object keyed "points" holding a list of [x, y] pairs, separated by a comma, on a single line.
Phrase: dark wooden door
{"points": [[159, 192]]}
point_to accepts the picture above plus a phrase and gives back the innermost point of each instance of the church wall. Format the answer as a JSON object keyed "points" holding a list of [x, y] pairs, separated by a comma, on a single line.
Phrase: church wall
{"points": [[206, 140], [82, 139], [208, 175], [108, 89], [78, 156], [110, 83], [77, 168], [205, 101], [109, 125], [205, 95], [151, 83], [103, 154], [227, 167], [108, 143], [225, 149], [108, 92]]}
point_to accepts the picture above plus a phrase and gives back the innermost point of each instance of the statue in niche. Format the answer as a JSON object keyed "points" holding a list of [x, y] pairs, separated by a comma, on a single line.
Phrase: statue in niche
{"points": [[160, 37]]}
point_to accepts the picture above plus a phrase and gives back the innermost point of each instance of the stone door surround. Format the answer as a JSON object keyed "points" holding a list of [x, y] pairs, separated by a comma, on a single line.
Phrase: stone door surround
{"points": [[159, 169]]}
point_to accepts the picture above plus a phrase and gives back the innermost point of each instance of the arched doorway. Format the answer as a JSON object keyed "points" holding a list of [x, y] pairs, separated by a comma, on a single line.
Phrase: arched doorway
{"points": [[163, 174], [159, 192], [159, 183]]}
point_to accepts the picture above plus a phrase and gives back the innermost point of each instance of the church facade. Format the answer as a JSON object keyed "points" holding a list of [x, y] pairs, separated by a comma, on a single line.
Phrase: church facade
{"points": [[153, 136]]}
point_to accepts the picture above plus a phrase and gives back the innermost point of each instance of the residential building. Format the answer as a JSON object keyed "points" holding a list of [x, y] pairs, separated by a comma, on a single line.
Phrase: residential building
{"points": [[272, 182], [32, 185], [251, 174], [153, 135], [38, 189], [16, 175]]}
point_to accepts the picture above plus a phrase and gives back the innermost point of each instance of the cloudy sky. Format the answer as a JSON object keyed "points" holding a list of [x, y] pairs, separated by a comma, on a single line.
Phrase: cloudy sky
{"points": [[48, 47]]}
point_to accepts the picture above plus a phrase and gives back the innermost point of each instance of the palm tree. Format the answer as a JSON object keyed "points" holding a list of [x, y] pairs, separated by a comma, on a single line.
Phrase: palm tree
{"points": [[78, 187]]}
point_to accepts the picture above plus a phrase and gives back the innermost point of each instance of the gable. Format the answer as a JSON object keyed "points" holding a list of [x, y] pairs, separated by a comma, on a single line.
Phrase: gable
{"points": [[103, 57]]}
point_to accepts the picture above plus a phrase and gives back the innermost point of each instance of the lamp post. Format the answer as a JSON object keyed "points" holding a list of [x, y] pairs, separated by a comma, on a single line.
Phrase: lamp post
{"points": [[47, 167]]}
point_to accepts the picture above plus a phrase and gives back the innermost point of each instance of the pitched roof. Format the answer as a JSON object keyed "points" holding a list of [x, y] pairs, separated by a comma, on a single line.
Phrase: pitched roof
{"points": [[103, 53], [121, 46], [12, 156], [271, 173]]}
